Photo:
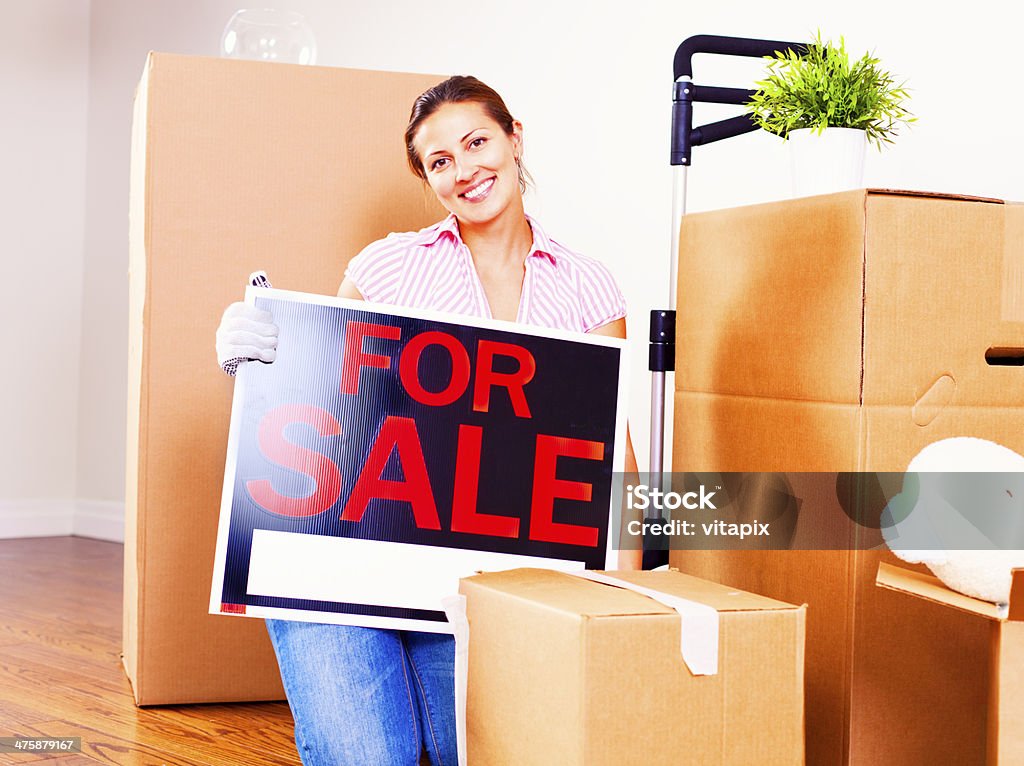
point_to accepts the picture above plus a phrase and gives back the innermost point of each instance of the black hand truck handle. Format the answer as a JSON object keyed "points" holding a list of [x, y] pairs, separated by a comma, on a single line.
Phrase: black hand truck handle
{"points": [[684, 135]]}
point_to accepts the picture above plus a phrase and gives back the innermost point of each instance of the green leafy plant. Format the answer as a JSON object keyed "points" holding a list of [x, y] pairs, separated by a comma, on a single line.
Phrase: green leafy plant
{"points": [[822, 89]]}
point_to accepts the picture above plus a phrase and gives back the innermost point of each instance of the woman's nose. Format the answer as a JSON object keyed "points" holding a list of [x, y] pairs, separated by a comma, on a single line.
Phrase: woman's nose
{"points": [[464, 169]]}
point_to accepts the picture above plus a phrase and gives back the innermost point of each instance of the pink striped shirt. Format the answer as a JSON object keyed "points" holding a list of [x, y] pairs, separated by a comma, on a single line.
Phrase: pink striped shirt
{"points": [[432, 268]]}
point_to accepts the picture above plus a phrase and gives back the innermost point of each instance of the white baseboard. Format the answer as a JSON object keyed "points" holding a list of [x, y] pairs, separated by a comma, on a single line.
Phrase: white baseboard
{"points": [[36, 518], [102, 520], [59, 518]]}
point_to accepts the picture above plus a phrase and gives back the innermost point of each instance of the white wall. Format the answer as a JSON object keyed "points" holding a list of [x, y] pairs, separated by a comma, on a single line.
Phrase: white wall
{"points": [[590, 82], [121, 35], [44, 89]]}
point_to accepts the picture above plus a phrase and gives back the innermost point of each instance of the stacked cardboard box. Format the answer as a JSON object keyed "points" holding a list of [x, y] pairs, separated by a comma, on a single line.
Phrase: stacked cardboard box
{"points": [[1005, 709], [236, 166], [565, 670], [846, 333]]}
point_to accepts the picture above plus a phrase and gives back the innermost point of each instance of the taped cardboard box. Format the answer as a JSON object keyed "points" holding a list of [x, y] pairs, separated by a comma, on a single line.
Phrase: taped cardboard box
{"points": [[566, 670], [1005, 656], [846, 333], [236, 166]]}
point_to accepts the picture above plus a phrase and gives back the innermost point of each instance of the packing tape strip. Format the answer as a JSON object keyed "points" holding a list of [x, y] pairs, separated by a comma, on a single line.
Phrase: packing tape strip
{"points": [[455, 608], [699, 623]]}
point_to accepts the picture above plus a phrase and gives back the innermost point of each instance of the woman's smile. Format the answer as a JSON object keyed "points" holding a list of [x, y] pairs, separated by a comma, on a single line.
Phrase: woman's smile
{"points": [[479, 191]]}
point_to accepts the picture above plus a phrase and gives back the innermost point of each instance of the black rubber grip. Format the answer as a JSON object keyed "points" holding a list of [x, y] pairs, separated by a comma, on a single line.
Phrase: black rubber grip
{"points": [[682, 63], [718, 131], [709, 94]]}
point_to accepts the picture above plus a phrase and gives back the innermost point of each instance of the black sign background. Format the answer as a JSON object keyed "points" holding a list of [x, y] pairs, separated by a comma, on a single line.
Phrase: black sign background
{"points": [[573, 394]]}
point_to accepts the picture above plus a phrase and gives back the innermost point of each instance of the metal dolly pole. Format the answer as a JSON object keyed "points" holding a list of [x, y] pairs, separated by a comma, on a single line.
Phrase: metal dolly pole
{"points": [[684, 137]]}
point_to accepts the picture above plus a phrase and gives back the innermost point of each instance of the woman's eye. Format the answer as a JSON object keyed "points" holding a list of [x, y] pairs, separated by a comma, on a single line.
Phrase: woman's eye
{"points": [[476, 143], [438, 163]]}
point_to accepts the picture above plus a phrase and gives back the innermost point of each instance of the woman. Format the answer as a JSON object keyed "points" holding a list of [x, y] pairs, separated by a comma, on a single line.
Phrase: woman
{"points": [[369, 696]]}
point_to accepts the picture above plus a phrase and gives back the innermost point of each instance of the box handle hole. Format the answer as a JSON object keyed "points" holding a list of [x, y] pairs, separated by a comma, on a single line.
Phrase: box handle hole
{"points": [[1002, 356]]}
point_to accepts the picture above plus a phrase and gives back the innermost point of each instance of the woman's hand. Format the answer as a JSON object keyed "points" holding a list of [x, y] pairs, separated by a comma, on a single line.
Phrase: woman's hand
{"points": [[245, 334]]}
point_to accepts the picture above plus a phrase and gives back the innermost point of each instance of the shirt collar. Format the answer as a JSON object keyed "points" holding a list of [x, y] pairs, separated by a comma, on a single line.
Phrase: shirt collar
{"points": [[541, 244], [450, 226]]}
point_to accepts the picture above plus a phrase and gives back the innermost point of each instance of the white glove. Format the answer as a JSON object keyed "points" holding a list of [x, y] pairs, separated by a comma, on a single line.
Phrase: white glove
{"points": [[246, 333]]}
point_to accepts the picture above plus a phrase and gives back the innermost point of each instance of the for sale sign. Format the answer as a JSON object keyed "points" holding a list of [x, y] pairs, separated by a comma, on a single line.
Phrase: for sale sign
{"points": [[388, 452]]}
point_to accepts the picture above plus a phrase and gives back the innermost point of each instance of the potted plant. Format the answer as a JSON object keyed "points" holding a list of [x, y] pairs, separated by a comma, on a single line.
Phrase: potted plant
{"points": [[828, 109]]}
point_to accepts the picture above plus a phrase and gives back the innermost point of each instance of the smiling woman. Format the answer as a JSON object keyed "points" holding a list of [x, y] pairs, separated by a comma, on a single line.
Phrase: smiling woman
{"points": [[476, 175], [372, 696], [491, 149], [488, 258]]}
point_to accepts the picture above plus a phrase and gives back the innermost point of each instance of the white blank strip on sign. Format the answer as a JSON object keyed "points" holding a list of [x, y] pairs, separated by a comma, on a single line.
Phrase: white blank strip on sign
{"points": [[344, 570]]}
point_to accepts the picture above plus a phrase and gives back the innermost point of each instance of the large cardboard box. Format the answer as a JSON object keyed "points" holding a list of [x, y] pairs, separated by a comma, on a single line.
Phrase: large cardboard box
{"points": [[845, 333], [565, 670], [1005, 709], [236, 166]]}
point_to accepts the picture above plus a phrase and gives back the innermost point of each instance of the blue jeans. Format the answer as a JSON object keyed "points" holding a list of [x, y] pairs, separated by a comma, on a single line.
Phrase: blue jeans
{"points": [[367, 696]]}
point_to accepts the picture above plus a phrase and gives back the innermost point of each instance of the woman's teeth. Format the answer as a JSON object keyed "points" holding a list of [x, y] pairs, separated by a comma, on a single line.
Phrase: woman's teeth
{"points": [[478, 191]]}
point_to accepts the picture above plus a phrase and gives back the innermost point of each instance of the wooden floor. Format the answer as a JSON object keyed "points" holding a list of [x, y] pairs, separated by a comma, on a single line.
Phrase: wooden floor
{"points": [[61, 674]]}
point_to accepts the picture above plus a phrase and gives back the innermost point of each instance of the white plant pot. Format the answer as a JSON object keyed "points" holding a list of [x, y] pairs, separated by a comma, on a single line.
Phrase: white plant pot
{"points": [[826, 162]]}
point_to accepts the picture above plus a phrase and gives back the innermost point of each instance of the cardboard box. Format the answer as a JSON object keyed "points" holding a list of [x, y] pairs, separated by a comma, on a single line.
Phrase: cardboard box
{"points": [[1005, 709], [845, 333], [236, 166], [569, 671]]}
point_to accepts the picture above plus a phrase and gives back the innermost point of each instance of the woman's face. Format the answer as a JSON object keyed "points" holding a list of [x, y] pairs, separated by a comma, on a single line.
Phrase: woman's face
{"points": [[470, 162]]}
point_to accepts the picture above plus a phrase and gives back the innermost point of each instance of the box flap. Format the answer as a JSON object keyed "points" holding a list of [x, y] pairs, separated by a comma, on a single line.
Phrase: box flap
{"points": [[566, 593], [575, 595], [722, 598], [938, 195], [932, 589], [1016, 610]]}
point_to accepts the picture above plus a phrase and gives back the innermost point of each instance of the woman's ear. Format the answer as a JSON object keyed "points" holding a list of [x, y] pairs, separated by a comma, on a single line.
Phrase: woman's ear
{"points": [[517, 137]]}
